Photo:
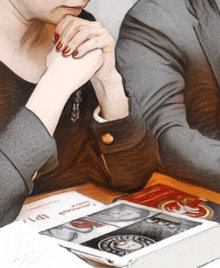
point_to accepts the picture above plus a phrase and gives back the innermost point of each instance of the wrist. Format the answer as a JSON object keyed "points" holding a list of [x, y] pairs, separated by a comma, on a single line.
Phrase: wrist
{"points": [[114, 111], [111, 96], [114, 105], [111, 78], [51, 80], [47, 102]]}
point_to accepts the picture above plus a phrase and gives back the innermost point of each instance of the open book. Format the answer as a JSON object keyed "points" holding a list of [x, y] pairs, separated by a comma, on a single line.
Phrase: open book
{"points": [[172, 200], [22, 246], [123, 234]]}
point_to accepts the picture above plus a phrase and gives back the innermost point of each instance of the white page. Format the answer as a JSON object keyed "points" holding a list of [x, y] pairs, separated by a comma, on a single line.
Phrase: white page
{"points": [[22, 247], [212, 264], [57, 209]]}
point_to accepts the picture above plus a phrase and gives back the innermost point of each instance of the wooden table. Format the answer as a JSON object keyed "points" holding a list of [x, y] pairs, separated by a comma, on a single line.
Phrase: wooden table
{"points": [[100, 194], [106, 196]]}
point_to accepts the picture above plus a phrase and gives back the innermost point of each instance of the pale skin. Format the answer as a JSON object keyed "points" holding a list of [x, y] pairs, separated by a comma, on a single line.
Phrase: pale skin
{"points": [[58, 74]]}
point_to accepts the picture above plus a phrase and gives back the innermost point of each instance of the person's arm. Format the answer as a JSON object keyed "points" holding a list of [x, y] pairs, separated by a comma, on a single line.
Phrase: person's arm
{"points": [[26, 143], [113, 102], [153, 69], [122, 158], [63, 76], [25, 146], [128, 150]]}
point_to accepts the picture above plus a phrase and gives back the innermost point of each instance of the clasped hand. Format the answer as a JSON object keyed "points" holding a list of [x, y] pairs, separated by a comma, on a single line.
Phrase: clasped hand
{"points": [[82, 49]]}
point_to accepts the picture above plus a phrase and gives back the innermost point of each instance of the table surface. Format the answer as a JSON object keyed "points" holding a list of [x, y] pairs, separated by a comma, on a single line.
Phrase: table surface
{"points": [[106, 196], [100, 194]]}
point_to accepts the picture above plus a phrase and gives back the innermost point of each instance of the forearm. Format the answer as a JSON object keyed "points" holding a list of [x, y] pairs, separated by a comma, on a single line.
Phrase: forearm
{"points": [[131, 156], [111, 96], [158, 92], [12, 190], [130, 170], [47, 102], [25, 146], [63, 76], [188, 155]]}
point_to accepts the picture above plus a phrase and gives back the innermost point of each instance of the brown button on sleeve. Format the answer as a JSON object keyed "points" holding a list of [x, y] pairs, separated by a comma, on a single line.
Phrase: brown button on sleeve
{"points": [[124, 134], [107, 138]]}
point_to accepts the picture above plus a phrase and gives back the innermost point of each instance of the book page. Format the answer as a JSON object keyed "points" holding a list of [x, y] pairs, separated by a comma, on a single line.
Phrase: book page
{"points": [[57, 209], [172, 200], [123, 230], [22, 247], [213, 264]]}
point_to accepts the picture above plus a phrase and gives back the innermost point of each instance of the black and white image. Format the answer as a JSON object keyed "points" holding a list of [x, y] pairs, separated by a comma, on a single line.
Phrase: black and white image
{"points": [[141, 234]]}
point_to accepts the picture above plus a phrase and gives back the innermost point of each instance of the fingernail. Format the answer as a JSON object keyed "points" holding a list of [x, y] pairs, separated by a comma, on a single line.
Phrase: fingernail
{"points": [[66, 50], [59, 45], [56, 37], [75, 52]]}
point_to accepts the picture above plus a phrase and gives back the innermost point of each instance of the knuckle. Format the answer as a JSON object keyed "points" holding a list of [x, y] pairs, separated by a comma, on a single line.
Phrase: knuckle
{"points": [[82, 28], [105, 31], [99, 52], [61, 26], [112, 41], [64, 21], [96, 41], [69, 18], [97, 24], [71, 44], [58, 29]]}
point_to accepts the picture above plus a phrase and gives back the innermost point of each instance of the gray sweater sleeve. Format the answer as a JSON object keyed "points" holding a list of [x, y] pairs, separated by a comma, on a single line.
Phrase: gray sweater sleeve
{"points": [[153, 69], [25, 146]]}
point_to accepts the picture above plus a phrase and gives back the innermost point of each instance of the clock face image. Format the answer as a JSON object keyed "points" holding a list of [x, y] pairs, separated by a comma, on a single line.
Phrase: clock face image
{"points": [[124, 244], [140, 234]]}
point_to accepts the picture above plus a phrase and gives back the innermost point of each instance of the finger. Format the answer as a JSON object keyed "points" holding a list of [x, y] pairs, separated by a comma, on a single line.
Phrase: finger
{"points": [[58, 36], [73, 36], [106, 43], [62, 28], [67, 28], [100, 38], [68, 32], [83, 34], [69, 19]]}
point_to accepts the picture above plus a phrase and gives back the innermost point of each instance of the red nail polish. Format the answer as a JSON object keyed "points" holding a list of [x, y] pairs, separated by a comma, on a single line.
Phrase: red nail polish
{"points": [[75, 52], [56, 37], [66, 50], [59, 45]]}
